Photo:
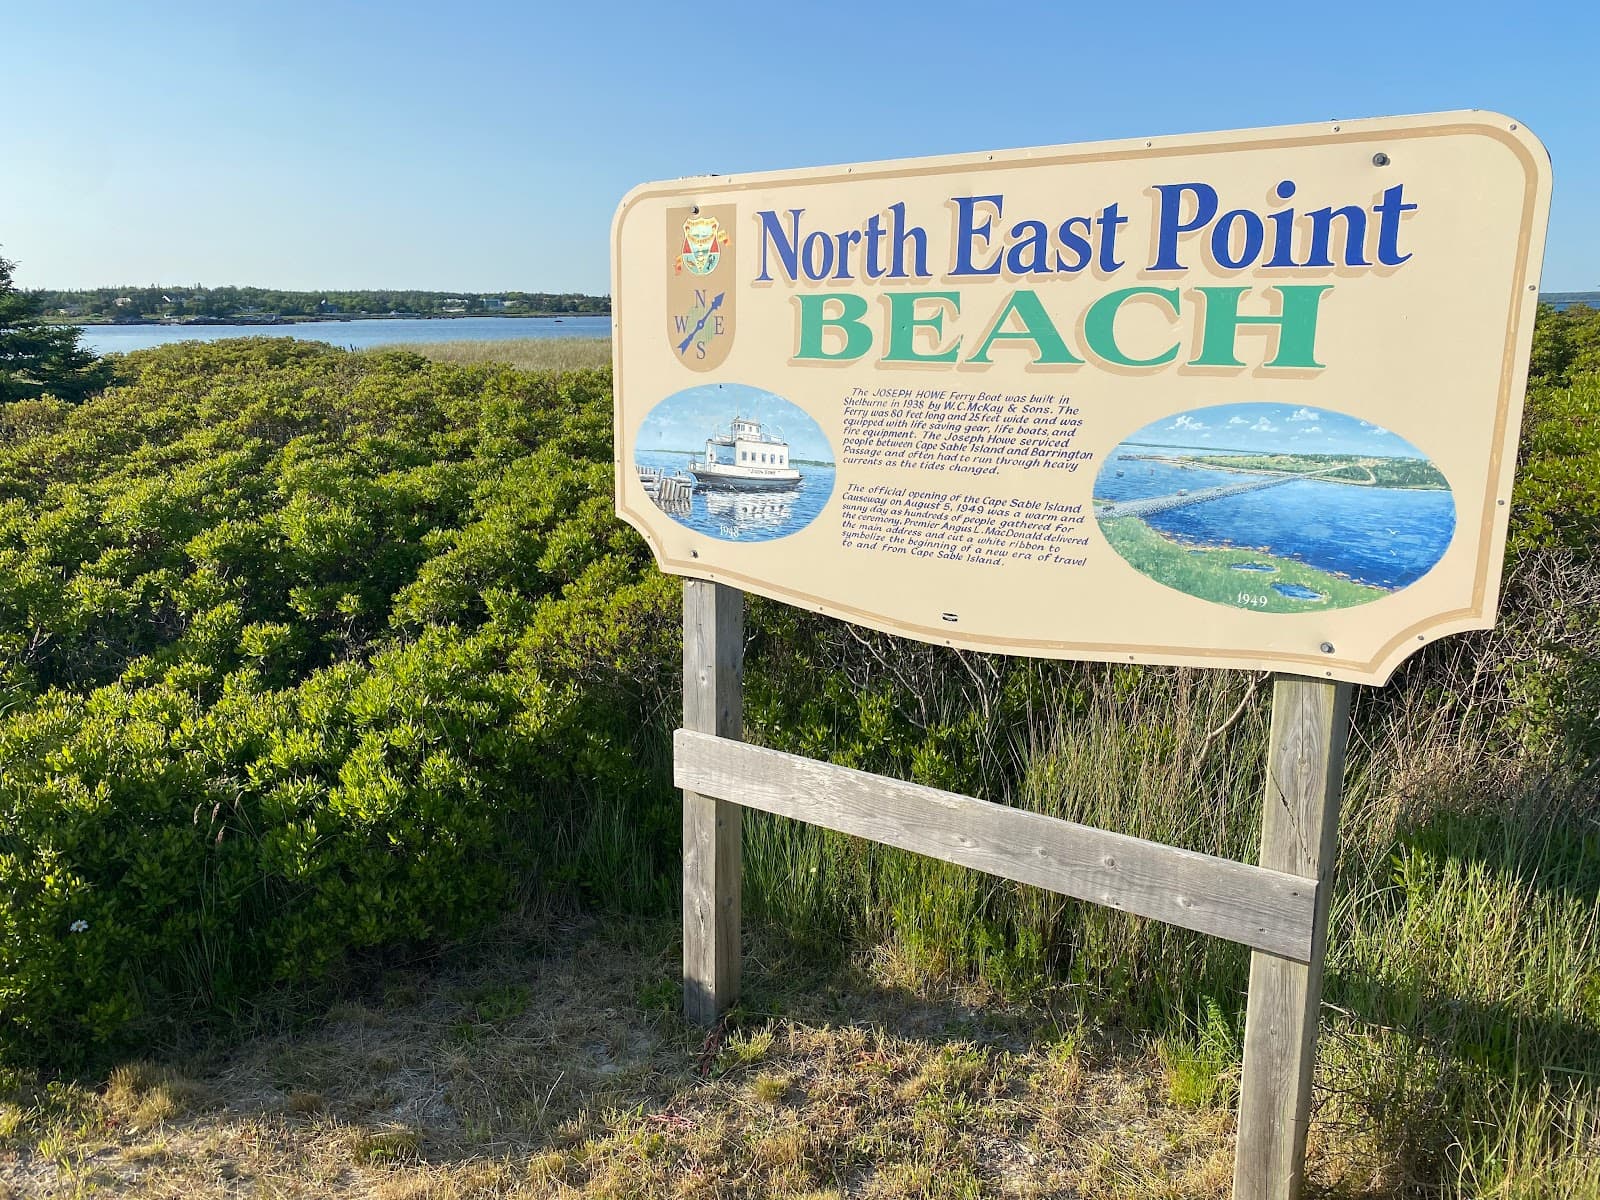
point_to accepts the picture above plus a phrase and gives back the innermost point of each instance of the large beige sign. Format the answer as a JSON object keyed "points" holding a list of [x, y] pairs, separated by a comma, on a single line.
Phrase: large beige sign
{"points": [[1244, 400]]}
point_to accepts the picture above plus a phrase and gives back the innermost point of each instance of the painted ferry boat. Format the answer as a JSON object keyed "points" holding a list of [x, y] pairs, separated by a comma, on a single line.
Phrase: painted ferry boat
{"points": [[745, 457]]}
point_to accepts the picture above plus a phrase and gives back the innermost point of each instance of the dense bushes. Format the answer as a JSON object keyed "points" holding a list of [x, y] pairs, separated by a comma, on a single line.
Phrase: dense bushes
{"points": [[302, 653], [1566, 345]]}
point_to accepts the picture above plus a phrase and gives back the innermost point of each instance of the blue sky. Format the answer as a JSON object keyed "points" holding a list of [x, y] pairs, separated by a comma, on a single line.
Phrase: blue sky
{"points": [[685, 419], [484, 146], [1275, 429]]}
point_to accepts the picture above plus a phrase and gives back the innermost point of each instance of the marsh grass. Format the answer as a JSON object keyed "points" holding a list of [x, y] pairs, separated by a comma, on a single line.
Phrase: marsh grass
{"points": [[529, 354]]}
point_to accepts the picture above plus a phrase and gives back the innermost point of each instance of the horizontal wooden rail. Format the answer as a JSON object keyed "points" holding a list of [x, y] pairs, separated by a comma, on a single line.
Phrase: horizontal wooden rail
{"points": [[1266, 910]]}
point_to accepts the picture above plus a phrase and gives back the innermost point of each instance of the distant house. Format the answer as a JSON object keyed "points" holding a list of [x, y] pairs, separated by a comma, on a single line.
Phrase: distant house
{"points": [[123, 301], [493, 302]]}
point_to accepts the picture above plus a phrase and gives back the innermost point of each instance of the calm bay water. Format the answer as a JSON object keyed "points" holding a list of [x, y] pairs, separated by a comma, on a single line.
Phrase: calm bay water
{"points": [[357, 335], [363, 335], [1387, 537], [734, 516], [1570, 299]]}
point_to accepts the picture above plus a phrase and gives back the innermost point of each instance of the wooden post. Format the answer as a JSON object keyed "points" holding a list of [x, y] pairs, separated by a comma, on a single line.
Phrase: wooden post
{"points": [[1300, 836], [713, 702]]}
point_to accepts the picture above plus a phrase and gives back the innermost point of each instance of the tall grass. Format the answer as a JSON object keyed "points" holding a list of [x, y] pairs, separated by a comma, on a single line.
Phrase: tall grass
{"points": [[529, 354], [1461, 1048]]}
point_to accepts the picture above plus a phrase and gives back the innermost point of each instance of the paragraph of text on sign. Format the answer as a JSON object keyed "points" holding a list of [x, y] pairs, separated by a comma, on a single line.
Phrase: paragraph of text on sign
{"points": [[961, 432], [958, 527]]}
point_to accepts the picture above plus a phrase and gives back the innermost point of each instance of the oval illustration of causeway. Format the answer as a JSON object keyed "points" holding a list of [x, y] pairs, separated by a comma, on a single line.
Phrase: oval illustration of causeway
{"points": [[735, 462], [1274, 507]]}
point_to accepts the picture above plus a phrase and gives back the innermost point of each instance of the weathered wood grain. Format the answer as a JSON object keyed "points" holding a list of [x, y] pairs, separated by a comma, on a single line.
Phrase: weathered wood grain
{"points": [[713, 701], [1261, 908], [1299, 835]]}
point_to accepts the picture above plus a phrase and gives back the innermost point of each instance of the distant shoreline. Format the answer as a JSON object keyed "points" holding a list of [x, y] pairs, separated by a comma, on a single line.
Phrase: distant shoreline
{"points": [[1321, 474], [324, 319]]}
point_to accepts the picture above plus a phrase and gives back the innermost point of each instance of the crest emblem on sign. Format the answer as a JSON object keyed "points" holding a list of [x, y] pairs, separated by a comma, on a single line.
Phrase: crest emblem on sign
{"points": [[703, 241], [700, 288]]}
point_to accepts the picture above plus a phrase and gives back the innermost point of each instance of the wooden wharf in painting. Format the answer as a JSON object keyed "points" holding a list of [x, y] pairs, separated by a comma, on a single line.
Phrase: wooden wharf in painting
{"points": [[669, 491]]}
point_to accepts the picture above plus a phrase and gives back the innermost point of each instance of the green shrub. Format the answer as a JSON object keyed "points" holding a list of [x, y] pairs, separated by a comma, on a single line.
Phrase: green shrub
{"points": [[1566, 345], [306, 653]]}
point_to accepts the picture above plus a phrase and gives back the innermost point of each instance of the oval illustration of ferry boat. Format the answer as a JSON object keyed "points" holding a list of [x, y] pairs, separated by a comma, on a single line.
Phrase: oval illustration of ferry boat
{"points": [[735, 462], [1275, 508]]}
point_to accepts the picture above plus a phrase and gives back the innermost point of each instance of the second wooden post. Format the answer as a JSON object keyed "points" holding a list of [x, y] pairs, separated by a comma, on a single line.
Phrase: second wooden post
{"points": [[713, 702], [1299, 836]]}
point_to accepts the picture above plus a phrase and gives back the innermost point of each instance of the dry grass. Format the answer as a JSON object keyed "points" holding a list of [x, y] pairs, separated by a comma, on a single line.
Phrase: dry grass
{"points": [[555, 1064], [533, 354], [566, 1071]]}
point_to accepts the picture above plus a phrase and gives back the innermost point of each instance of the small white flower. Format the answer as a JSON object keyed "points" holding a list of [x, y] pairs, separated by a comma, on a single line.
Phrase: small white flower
{"points": [[78, 927]]}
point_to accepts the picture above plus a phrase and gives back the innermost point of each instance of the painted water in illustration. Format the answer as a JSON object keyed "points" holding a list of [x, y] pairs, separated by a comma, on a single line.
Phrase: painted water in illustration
{"points": [[1274, 507], [736, 462]]}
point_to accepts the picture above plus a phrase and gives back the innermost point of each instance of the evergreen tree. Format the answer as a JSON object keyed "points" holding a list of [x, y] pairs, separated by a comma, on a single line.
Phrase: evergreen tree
{"points": [[37, 359]]}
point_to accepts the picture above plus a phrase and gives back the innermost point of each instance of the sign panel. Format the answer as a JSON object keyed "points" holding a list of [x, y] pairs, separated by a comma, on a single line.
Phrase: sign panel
{"points": [[1246, 399]]}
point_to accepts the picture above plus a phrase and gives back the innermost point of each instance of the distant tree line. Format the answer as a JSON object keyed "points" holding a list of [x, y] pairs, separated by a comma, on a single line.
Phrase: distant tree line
{"points": [[224, 303]]}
